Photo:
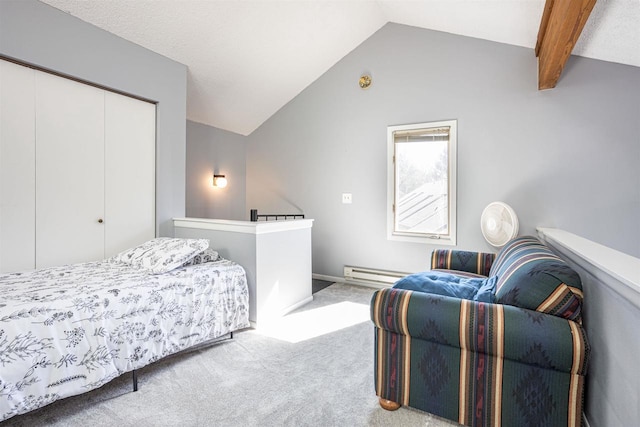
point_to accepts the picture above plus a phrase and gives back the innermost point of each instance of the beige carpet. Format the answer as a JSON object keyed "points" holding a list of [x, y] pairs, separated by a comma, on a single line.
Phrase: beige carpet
{"points": [[314, 369]]}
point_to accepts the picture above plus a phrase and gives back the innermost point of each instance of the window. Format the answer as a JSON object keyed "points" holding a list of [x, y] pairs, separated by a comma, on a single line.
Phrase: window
{"points": [[421, 182]]}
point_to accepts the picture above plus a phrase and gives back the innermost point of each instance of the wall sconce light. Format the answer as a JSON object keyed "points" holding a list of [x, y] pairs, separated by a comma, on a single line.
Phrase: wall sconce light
{"points": [[219, 181], [365, 81]]}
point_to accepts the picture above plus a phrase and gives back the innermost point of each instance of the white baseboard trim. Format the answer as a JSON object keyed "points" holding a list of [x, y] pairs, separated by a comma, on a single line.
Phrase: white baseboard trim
{"points": [[296, 305], [327, 278], [366, 284], [344, 281]]}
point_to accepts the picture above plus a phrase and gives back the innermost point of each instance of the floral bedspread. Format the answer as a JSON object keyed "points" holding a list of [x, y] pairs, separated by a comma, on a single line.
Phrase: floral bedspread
{"points": [[67, 330]]}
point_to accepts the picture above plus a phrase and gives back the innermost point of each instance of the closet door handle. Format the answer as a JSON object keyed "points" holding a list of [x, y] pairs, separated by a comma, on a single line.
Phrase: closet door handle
{"points": [[100, 220]]}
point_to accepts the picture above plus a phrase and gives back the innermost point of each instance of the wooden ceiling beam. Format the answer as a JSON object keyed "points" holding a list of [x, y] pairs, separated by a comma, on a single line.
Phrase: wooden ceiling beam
{"points": [[561, 24]]}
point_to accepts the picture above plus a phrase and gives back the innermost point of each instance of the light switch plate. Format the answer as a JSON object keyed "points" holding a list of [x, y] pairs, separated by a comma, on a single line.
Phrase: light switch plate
{"points": [[346, 198]]}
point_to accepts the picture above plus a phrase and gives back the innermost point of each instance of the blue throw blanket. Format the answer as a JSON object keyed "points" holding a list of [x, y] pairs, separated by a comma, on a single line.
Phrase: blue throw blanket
{"points": [[440, 283]]}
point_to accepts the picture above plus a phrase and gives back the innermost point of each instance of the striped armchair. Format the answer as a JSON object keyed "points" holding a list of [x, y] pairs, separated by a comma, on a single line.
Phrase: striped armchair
{"points": [[520, 361]]}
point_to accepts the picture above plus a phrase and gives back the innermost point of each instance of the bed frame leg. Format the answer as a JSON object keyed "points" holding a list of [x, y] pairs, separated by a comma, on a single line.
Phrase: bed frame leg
{"points": [[134, 373]]}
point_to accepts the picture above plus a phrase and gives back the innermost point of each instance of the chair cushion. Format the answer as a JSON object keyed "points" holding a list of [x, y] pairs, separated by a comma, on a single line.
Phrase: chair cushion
{"points": [[440, 283], [530, 276]]}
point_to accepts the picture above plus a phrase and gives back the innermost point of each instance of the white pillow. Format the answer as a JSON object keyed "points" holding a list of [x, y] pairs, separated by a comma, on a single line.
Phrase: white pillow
{"points": [[162, 254], [208, 255]]}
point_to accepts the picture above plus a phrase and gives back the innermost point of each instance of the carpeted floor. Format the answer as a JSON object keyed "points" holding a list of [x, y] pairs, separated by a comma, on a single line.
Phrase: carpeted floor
{"points": [[314, 368]]}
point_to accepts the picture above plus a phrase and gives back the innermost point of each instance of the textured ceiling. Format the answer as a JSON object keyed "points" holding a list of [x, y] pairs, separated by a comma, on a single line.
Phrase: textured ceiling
{"points": [[248, 58]]}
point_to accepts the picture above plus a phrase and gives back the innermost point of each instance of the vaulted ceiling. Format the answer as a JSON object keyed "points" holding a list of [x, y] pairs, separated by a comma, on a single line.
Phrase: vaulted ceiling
{"points": [[248, 58]]}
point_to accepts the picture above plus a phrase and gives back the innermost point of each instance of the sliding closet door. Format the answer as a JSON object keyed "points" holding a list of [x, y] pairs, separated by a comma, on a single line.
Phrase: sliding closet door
{"points": [[17, 168], [130, 142], [70, 171]]}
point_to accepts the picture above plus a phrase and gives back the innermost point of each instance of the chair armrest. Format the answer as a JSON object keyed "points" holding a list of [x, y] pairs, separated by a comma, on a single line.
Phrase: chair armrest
{"points": [[503, 331], [470, 262]]}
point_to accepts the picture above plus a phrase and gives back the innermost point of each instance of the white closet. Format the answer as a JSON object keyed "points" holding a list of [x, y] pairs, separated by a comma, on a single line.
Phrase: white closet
{"points": [[77, 170], [17, 168]]}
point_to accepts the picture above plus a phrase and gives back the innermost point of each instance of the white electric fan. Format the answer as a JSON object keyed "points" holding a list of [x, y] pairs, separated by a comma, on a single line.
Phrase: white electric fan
{"points": [[499, 224]]}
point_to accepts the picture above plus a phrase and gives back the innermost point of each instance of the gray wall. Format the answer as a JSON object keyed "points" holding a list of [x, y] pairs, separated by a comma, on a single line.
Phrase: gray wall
{"points": [[565, 158], [41, 35], [209, 151]]}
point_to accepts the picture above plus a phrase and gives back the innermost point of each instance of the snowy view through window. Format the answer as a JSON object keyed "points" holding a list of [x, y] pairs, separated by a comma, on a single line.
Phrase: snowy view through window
{"points": [[422, 187]]}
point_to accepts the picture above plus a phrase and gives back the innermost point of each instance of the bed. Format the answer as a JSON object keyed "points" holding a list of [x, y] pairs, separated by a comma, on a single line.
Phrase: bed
{"points": [[70, 329]]}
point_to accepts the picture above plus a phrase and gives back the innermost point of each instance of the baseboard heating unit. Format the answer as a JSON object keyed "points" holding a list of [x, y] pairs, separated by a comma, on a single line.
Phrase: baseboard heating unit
{"points": [[371, 276]]}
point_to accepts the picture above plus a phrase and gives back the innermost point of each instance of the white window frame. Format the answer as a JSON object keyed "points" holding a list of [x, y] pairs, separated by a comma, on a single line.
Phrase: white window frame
{"points": [[392, 185]]}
